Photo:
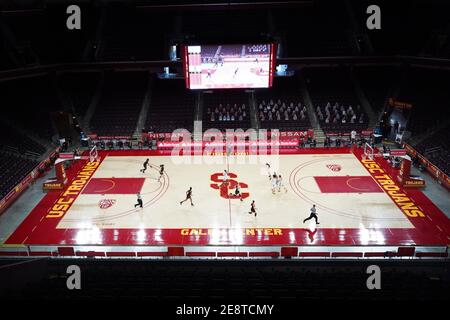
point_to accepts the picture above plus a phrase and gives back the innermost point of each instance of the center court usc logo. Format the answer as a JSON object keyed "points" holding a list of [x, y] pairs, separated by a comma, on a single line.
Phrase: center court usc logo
{"points": [[106, 203], [334, 167], [227, 189]]}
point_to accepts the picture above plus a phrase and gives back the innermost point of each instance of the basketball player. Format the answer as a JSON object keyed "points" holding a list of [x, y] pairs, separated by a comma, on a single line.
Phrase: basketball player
{"points": [[280, 183], [237, 191], [313, 214], [161, 172], [224, 179], [188, 197], [145, 166], [253, 208], [139, 201], [274, 182], [268, 171], [209, 74], [225, 176], [235, 72]]}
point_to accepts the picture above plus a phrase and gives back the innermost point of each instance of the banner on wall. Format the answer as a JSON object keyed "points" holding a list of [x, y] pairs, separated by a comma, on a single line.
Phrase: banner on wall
{"points": [[60, 181], [431, 168], [221, 144], [399, 104], [366, 132], [111, 138], [397, 152], [273, 134]]}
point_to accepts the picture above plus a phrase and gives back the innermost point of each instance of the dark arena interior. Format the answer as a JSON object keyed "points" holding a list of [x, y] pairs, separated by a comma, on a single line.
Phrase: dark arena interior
{"points": [[227, 159]]}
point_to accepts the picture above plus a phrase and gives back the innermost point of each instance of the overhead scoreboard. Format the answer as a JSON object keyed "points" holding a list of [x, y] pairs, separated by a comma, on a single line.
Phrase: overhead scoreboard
{"points": [[229, 66]]}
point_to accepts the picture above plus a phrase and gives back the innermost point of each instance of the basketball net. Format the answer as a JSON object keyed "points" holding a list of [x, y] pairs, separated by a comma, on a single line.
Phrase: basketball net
{"points": [[93, 154]]}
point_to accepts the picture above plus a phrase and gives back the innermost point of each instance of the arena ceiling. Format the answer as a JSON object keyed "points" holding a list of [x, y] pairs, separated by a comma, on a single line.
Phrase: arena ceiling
{"points": [[41, 4]]}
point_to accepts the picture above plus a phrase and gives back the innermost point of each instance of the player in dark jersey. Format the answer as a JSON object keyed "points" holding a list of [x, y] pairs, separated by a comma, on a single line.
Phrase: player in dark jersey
{"points": [[268, 171], [235, 72], [145, 166], [188, 196], [161, 172], [253, 208], [237, 192]]}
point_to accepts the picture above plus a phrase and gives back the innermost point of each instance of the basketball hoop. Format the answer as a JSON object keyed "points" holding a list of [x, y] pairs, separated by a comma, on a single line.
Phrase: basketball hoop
{"points": [[93, 154], [368, 152]]}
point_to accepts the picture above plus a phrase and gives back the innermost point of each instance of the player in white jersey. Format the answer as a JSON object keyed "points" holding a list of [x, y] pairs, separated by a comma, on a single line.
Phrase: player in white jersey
{"points": [[224, 179], [274, 182], [280, 184], [225, 176]]}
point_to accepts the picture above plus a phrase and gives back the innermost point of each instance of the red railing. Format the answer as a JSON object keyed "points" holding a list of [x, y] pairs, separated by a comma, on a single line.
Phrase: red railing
{"points": [[297, 252], [431, 168]]}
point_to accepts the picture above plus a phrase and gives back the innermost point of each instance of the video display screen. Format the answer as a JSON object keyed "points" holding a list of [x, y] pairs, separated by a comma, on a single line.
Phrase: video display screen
{"points": [[229, 66]]}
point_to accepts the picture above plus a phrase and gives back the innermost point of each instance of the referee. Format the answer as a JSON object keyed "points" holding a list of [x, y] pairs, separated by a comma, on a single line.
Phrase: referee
{"points": [[139, 201], [313, 214]]}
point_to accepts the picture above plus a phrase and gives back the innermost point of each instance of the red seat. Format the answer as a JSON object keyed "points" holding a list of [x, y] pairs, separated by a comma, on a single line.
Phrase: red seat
{"points": [[232, 254], [432, 254], [152, 254], [347, 254], [314, 254], [200, 254], [289, 251], [121, 254], [264, 254]]}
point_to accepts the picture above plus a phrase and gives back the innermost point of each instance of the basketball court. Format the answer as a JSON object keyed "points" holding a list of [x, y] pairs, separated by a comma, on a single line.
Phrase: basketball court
{"points": [[253, 73], [353, 204]]}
